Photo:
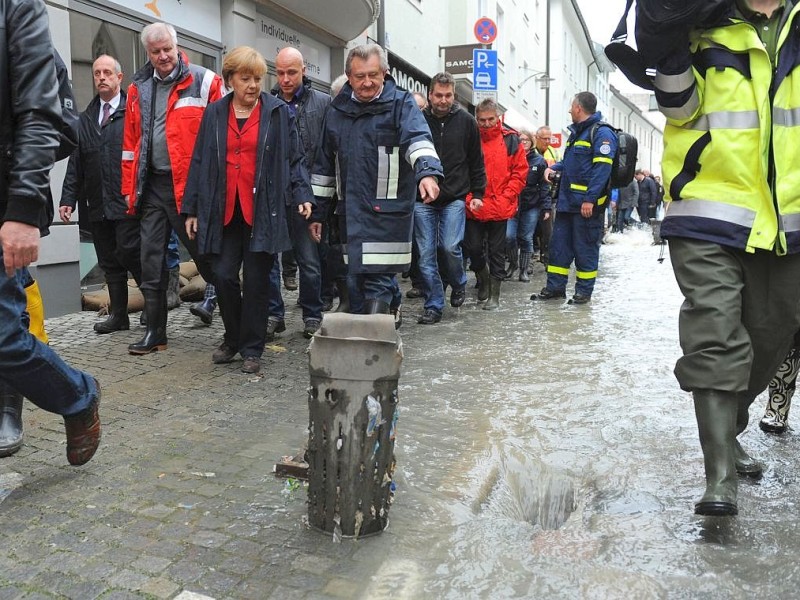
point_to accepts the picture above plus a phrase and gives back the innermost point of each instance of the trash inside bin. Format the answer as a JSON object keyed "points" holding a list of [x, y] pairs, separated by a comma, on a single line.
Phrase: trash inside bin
{"points": [[354, 365]]}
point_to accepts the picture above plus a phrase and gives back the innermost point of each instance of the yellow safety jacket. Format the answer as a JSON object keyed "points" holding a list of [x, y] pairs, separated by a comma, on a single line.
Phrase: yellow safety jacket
{"points": [[730, 169]]}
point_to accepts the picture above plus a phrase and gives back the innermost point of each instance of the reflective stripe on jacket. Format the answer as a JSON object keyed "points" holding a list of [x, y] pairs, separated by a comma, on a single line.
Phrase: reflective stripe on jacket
{"points": [[380, 150], [194, 89], [729, 165]]}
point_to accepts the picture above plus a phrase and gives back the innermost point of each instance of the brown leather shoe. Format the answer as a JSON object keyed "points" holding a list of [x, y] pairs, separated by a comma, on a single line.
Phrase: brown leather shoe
{"points": [[251, 364], [83, 433]]}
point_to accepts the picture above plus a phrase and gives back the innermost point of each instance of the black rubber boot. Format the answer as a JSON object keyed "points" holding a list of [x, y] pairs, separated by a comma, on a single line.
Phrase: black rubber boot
{"points": [[716, 423], [10, 420], [344, 296], [155, 336], [524, 261], [512, 254], [174, 288], [483, 278], [493, 303], [117, 309], [373, 306], [205, 309]]}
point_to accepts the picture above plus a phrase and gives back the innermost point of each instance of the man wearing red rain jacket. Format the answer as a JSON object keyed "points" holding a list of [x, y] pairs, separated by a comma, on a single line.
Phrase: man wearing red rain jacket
{"points": [[164, 107], [506, 174]]}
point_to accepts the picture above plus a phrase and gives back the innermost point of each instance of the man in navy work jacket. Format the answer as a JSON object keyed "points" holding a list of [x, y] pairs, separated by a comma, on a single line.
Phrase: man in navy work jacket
{"points": [[582, 200], [382, 145]]}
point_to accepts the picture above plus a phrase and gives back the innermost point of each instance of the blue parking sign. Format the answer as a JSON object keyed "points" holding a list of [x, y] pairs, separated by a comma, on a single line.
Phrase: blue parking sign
{"points": [[484, 70]]}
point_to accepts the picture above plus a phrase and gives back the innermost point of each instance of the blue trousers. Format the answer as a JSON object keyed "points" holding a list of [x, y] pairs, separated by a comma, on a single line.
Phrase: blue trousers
{"points": [[30, 367], [520, 228], [442, 229], [574, 239]]}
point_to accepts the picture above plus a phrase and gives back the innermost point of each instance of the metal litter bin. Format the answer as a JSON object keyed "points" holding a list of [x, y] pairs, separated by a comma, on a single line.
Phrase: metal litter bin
{"points": [[354, 365]]}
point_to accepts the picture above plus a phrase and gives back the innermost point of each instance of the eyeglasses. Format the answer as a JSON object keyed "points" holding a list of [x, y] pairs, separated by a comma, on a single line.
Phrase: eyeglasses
{"points": [[525, 140]]}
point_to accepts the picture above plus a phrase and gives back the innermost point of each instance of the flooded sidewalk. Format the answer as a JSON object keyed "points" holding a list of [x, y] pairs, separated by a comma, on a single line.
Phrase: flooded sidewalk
{"points": [[543, 451]]}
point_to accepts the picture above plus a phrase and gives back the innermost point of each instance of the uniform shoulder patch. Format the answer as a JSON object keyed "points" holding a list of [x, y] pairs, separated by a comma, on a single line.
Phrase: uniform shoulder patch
{"points": [[605, 148]]}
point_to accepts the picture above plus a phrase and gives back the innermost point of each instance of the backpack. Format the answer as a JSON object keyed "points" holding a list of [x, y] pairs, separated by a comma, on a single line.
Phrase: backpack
{"points": [[511, 140], [662, 27], [624, 165]]}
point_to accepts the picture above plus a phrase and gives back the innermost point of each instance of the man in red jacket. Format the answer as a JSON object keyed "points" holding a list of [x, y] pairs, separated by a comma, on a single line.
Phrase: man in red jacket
{"points": [[506, 174], [164, 106]]}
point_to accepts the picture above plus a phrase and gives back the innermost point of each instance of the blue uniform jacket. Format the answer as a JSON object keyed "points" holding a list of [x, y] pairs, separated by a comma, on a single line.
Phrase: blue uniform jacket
{"points": [[586, 167], [382, 149], [536, 193]]}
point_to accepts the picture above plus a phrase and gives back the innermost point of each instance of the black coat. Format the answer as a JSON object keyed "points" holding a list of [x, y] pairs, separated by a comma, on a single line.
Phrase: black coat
{"points": [[309, 116], [458, 144], [30, 122], [94, 172], [281, 177]]}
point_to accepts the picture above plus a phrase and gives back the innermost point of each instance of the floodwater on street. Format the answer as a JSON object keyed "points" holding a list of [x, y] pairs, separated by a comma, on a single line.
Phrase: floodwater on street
{"points": [[546, 451]]}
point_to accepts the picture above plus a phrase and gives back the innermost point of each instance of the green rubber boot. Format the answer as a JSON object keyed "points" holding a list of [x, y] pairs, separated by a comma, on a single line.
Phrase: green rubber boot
{"points": [[746, 465], [483, 278], [493, 303], [716, 423]]}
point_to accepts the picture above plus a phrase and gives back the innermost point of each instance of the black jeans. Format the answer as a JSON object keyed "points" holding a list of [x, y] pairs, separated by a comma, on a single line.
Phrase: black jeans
{"points": [[244, 311], [494, 232], [159, 216]]}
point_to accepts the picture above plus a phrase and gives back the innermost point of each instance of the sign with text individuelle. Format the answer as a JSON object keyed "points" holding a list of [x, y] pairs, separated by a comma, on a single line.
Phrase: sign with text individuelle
{"points": [[484, 70], [458, 59], [272, 36], [479, 96]]}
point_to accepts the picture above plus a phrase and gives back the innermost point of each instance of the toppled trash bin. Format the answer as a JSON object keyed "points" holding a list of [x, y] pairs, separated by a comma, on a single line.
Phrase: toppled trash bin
{"points": [[354, 365]]}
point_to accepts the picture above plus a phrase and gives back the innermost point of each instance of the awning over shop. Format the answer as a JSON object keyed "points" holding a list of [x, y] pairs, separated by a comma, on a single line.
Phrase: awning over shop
{"points": [[517, 120], [343, 19]]}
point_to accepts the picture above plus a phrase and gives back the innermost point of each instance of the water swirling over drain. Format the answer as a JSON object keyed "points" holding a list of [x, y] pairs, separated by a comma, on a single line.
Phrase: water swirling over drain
{"points": [[522, 488]]}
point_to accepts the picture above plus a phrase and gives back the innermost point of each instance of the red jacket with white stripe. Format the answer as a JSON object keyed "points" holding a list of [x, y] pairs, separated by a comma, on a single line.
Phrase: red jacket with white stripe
{"points": [[194, 89]]}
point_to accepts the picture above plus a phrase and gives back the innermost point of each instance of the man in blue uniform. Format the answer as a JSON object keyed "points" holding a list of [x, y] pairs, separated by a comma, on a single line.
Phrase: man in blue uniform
{"points": [[378, 138], [582, 199]]}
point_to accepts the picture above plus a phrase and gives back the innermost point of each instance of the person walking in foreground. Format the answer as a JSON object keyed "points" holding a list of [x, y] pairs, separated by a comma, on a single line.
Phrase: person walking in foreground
{"points": [[30, 125]]}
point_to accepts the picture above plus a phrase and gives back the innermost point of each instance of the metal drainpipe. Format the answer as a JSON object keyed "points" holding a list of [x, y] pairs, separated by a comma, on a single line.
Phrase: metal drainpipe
{"points": [[547, 69], [382, 24]]}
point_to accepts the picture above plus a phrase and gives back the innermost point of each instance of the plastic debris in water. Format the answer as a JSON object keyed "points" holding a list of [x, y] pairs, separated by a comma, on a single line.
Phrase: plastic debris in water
{"points": [[358, 522], [339, 443], [337, 529], [375, 416]]}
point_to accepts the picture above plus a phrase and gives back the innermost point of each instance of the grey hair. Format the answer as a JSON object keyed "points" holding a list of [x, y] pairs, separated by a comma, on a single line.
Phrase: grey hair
{"points": [[364, 52], [156, 32], [487, 105], [337, 85]]}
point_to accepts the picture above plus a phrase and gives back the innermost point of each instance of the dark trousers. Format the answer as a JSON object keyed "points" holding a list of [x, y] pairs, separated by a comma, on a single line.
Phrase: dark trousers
{"points": [[368, 286], [739, 318], [244, 311], [159, 216], [494, 233], [544, 231], [118, 249]]}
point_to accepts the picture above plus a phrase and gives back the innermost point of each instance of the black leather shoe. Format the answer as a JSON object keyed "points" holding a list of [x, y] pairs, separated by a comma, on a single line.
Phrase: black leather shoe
{"points": [[204, 310], [223, 354], [290, 283], [457, 297], [579, 299], [429, 317], [274, 326], [414, 292], [546, 294]]}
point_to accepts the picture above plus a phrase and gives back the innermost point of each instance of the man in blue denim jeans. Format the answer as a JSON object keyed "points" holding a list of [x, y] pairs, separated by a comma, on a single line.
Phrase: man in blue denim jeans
{"points": [[439, 223], [30, 127]]}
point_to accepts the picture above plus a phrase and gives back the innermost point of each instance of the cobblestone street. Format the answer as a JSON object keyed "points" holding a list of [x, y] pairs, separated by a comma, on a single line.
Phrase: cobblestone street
{"points": [[181, 495]]}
